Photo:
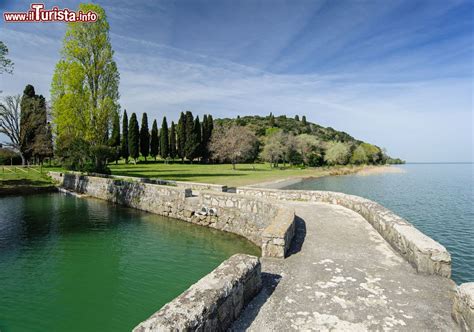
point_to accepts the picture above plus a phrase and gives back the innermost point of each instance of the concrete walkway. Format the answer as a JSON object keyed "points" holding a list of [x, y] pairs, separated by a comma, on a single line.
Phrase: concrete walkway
{"points": [[342, 275]]}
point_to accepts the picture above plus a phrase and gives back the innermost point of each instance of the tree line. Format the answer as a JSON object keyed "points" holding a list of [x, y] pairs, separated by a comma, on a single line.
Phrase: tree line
{"points": [[188, 139]]}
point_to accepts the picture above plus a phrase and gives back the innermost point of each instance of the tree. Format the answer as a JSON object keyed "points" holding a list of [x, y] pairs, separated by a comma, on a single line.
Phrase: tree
{"points": [[274, 148], [359, 156], [133, 138], [124, 146], [33, 119], [297, 118], [10, 122], [192, 143], [337, 153], [6, 65], [234, 144], [164, 140], [181, 136], [303, 120], [310, 150], [207, 126], [373, 153], [198, 138], [144, 137], [84, 87], [114, 141], [272, 120], [154, 143], [43, 144], [173, 140]]}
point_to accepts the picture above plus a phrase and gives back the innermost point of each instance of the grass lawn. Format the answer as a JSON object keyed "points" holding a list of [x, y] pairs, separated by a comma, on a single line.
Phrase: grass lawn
{"points": [[221, 173], [22, 179]]}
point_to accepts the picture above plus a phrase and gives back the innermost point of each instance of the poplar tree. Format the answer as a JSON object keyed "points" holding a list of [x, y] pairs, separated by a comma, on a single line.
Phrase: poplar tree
{"points": [[124, 144], [114, 140], [85, 84], [181, 136], [133, 137], [154, 143], [164, 139], [173, 140], [144, 137]]}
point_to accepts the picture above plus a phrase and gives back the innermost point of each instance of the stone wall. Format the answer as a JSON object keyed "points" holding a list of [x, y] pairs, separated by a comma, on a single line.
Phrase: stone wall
{"points": [[463, 306], [214, 302], [247, 216], [425, 254]]}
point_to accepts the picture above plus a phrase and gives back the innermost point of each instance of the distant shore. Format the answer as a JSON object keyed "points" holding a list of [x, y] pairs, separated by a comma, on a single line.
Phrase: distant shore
{"points": [[360, 170]]}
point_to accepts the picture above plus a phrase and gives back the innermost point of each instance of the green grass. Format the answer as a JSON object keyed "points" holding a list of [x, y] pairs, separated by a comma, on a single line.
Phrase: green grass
{"points": [[221, 173], [12, 177]]}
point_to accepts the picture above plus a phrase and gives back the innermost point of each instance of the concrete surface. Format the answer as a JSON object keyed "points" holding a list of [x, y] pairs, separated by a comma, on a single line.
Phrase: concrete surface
{"points": [[342, 275]]}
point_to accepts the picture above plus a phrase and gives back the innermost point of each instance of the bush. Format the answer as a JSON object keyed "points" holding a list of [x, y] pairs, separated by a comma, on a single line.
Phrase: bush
{"points": [[9, 157]]}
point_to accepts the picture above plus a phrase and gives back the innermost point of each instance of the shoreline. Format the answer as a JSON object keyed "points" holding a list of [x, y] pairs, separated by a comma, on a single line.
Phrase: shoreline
{"points": [[359, 170]]}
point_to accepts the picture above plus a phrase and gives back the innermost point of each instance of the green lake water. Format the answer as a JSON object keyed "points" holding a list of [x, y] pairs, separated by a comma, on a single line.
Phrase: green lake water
{"points": [[72, 264], [437, 198]]}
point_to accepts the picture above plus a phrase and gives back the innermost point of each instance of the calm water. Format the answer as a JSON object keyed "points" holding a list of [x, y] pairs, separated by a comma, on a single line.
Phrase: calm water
{"points": [[71, 264], [436, 198]]}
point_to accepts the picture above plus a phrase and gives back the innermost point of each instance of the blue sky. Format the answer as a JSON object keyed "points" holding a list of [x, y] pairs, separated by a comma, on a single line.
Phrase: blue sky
{"points": [[395, 73]]}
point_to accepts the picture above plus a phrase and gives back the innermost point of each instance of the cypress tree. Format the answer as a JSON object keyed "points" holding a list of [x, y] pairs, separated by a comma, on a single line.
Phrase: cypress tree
{"points": [[303, 120], [297, 118], [155, 142], [205, 138], [144, 137], [29, 105], [191, 143], [114, 140], [181, 136], [164, 140], [133, 137], [198, 136], [272, 120], [124, 144], [173, 140]]}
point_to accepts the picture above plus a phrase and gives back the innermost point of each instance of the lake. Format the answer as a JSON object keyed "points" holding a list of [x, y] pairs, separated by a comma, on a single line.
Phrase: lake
{"points": [[436, 198], [73, 264]]}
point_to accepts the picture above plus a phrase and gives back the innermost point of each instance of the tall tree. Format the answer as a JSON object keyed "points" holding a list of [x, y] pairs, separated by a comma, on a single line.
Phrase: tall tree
{"points": [[272, 120], [114, 141], [198, 137], [297, 118], [181, 136], [303, 120], [154, 142], [133, 138], [6, 65], [191, 140], [10, 122], [124, 146], [85, 83], [33, 120], [144, 137], [173, 140], [164, 140]]}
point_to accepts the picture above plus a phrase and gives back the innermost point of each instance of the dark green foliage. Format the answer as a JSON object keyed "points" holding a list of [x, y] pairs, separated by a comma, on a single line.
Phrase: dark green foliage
{"points": [[9, 157], [133, 137], [271, 120], [181, 136], [303, 120], [191, 143], [164, 139], [297, 118], [35, 136], [173, 141], [124, 143], [144, 137], [155, 142], [198, 136]]}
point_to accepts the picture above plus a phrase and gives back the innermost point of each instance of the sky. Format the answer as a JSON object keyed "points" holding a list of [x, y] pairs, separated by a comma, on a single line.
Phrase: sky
{"points": [[398, 74]]}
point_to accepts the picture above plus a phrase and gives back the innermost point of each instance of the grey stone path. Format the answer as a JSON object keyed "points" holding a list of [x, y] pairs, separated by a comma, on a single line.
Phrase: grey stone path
{"points": [[342, 275]]}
